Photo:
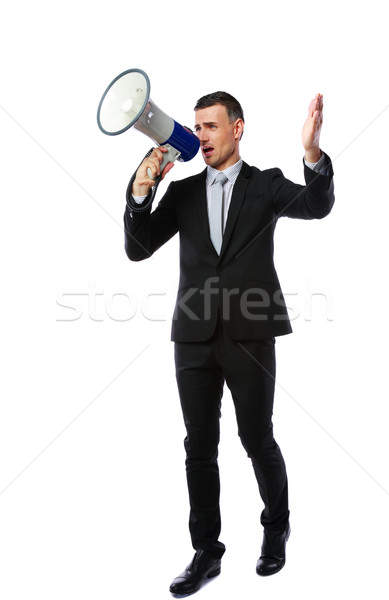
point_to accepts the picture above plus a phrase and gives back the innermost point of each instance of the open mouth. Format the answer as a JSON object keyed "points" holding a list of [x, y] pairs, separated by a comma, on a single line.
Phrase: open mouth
{"points": [[207, 150]]}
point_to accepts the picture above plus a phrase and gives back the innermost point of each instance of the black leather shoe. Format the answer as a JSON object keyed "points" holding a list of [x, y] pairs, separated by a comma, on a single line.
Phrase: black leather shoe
{"points": [[272, 557], [203, 566]]}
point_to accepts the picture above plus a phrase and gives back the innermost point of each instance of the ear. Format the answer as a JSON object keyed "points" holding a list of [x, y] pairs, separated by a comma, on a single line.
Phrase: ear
{"points": [[238, 129]]}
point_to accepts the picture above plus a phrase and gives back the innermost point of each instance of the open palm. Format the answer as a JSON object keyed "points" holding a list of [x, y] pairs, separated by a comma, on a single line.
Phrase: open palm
{"points": [[312, 128]]}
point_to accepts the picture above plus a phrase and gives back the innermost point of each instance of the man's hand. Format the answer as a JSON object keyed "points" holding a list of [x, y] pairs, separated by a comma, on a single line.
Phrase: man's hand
{"points": [[142, 183], [312, 129]]}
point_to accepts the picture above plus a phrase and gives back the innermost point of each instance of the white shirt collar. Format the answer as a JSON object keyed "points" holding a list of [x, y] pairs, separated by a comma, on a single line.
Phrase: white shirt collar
{"points": [[231, 172]]}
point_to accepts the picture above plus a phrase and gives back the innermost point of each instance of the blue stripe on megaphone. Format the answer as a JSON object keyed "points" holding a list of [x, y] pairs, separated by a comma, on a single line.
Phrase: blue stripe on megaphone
{"points": [[185, 141]]}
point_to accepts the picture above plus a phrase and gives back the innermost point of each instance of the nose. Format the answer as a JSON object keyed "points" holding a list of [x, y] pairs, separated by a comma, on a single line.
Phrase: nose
{"points": [[203, 135]]}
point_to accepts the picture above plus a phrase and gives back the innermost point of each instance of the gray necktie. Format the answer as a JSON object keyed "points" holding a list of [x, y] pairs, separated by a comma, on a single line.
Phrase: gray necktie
{"points": [[216, 211]]}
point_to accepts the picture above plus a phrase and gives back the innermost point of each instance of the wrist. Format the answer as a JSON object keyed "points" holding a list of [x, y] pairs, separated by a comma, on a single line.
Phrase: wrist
{"points": [[140, 190], [312, 155]]}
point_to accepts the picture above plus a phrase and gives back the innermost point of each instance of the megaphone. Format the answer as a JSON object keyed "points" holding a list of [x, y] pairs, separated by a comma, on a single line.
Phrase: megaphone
{"points": [[126, 103]]}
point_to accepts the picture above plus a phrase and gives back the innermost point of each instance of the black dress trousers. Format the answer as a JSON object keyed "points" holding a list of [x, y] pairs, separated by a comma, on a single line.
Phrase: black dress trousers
{"points": [[248, 368]]}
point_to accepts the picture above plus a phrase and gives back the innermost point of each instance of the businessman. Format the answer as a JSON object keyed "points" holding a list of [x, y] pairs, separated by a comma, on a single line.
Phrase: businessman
{"points": [[229, 310]]}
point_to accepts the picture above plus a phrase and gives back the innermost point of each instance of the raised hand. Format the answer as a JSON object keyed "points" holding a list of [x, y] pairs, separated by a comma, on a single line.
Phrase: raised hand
{"points": [[312, 128]]}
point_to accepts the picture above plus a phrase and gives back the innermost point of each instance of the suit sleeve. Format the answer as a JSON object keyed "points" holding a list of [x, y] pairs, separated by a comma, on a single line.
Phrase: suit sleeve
{"points": [[145, 232], [312, 201]]}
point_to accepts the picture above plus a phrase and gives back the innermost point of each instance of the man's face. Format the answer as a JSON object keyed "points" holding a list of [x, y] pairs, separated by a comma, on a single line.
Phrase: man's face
{"points": [[219, 139]]}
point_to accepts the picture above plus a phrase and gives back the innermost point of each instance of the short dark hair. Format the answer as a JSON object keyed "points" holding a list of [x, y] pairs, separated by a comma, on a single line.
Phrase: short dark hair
{"points": [[234, 109]]}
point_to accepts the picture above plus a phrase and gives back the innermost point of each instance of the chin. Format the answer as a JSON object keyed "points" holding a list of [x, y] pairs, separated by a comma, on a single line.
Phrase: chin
{"points": [[213, 163]]}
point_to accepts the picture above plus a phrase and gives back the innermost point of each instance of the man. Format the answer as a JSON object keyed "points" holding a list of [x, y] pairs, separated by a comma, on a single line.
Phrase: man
{"points": [[229, 310]]}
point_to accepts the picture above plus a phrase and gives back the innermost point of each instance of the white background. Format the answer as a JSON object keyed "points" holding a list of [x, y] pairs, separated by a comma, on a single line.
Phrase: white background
{"points": [[93, 500]]}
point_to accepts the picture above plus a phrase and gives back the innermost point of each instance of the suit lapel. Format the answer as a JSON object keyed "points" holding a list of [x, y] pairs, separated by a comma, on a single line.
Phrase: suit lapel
{"points": [[199, 209], [199, 192]]}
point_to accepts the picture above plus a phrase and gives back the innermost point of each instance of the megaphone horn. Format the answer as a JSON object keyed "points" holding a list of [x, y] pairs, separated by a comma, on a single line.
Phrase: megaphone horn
{"points": [[126, 103]]}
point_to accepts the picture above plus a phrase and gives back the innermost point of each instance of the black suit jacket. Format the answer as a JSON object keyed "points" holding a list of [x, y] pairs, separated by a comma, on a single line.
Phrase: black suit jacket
{"points": [[241, 285]]}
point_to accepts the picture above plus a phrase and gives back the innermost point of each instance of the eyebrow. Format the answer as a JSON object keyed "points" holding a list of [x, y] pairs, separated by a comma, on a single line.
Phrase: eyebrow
{"points": [[206, 123]]}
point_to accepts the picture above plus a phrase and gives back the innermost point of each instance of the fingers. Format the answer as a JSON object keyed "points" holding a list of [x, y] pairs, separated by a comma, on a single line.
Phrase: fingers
{"points": [[313, 124], [319, 105], [316, 105], [318, 115], [166, 170], [153, 162], [150, 165]]}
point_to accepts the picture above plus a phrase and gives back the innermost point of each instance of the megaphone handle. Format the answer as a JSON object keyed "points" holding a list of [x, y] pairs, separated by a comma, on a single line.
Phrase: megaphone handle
{"points": [[170, 156]]}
